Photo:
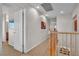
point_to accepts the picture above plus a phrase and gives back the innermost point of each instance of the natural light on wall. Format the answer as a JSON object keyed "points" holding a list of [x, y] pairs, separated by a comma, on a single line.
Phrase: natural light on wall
{"points": [[7, 18], [43, 18]]}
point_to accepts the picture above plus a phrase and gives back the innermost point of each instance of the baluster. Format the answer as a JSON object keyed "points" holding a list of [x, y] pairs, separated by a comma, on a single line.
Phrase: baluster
{"points": [[66, 44], [57, 44], [70, 44], [66, 41], [62, 40], [75, 44]]}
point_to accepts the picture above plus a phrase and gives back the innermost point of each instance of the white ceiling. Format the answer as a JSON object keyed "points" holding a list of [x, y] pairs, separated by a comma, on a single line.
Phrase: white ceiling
{"points": [[66, 7], [13, 7]]}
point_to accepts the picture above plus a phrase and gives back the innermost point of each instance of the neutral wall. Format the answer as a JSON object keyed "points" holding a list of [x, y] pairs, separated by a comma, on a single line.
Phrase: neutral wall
{"points": [[1, 20], [64, 23], [35, 35], [4, 28]]}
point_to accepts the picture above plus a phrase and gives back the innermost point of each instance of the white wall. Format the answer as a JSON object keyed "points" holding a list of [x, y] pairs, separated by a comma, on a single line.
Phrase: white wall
{"points": [[4, 27], [35, 35], [1, 29], [64, 23]]}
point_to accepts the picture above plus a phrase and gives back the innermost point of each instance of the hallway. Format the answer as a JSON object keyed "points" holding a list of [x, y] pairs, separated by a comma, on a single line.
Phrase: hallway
{"points": [[41, 50], [28, 27]]}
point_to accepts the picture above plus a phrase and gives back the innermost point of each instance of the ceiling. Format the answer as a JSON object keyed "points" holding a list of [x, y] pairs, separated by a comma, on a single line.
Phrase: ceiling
{"points": [[57, 7], [13, 7], [66, 8]]}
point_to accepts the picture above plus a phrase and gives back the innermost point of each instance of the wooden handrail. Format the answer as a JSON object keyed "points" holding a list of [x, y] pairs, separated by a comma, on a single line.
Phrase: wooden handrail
{"points": [[66, 32]]}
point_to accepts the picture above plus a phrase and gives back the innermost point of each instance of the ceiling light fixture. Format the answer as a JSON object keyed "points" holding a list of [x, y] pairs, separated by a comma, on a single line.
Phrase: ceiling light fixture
{"points": [[38, 7], [61, 12], [46, 15]]}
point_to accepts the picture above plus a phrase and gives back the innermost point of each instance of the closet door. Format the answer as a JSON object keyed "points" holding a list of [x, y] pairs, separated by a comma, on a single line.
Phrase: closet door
{"points": [[18, 31]]}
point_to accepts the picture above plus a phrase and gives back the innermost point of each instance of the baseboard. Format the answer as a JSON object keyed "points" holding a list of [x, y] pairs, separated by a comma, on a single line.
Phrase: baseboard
{"points": [[46, 37]]}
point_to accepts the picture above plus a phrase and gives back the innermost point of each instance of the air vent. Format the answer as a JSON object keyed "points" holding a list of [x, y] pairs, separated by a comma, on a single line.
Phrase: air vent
{"points": [[47, 6]]}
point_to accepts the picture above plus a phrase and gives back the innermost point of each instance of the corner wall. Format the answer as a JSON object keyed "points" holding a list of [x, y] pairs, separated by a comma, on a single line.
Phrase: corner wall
{"points": [[34, 34]]}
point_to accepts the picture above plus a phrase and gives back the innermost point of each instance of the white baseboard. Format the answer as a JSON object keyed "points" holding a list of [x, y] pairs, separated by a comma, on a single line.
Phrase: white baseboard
{"points": [[46, 37]]}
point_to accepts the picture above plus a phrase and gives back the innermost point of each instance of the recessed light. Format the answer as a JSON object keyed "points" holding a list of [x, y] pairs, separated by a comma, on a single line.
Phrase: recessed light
{"points": [[7, 20], [38, 7], [61, 12], [46, 15]]}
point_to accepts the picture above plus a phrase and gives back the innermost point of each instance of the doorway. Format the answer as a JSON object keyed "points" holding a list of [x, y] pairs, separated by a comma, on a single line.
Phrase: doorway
{"points": [[7, 32], [5, 28]]}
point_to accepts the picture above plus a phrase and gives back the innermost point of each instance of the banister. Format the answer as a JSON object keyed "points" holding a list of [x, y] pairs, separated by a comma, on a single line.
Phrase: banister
{"points": [[66, 32], [54, 37]]}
